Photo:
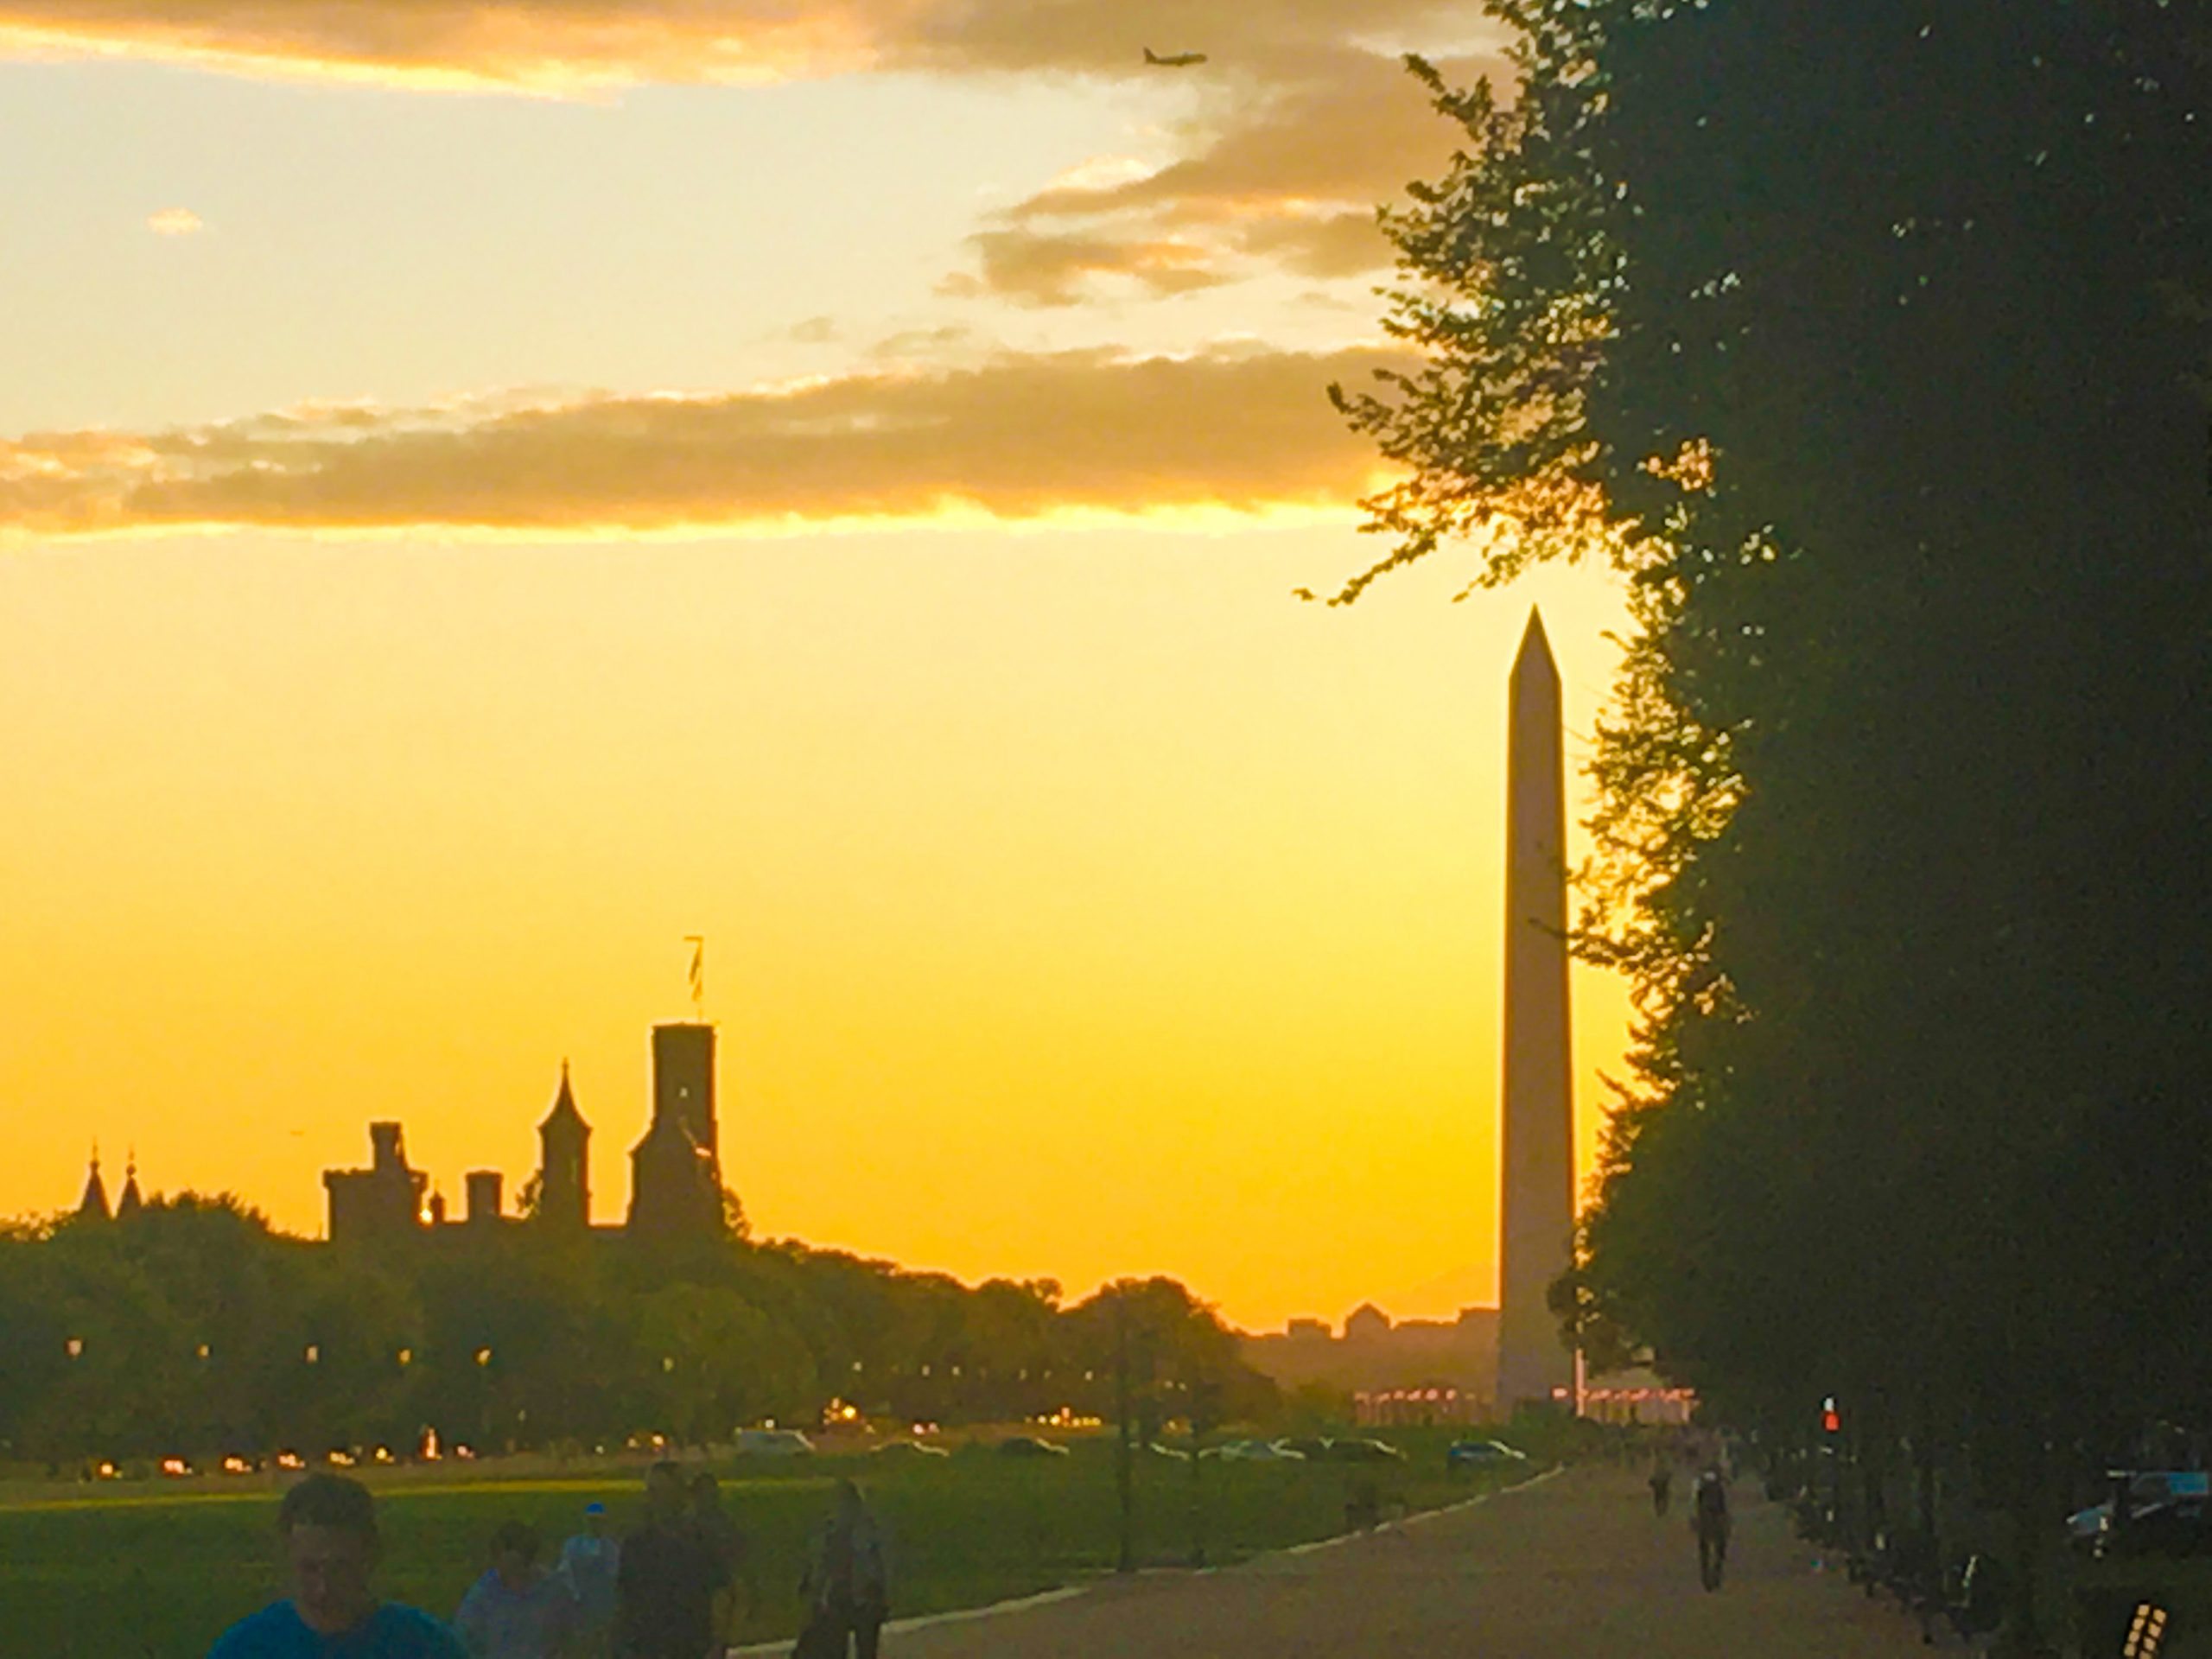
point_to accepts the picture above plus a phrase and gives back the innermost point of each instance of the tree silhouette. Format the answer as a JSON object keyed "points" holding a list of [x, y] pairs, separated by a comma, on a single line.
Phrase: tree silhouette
{"points": [[1868, 343]]}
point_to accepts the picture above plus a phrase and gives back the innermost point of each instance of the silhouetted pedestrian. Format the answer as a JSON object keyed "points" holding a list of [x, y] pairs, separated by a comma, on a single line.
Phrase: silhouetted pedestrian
{"points": [[1709, 1517], [725, 1539], [847, 1582], [667, 1579], [1662, 1485], [328, 1526]]}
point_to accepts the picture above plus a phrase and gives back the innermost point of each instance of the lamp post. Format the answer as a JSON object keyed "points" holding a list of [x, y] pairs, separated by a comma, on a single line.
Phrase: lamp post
{"points": [[1124, 1455]]}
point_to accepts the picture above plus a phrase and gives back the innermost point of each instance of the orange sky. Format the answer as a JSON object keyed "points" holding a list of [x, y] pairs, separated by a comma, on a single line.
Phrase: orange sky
{"points": [[451, 548]]}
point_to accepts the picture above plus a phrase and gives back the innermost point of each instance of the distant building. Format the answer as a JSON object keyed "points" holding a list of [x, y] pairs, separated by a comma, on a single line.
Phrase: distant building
{"points": [[92, 1205], [675, 1182], [1457, 1358], [1366, 1324]]}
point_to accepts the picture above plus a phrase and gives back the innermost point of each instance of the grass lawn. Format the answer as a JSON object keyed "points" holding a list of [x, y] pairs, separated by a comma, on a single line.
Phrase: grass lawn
{"points": [[145, 1574]]}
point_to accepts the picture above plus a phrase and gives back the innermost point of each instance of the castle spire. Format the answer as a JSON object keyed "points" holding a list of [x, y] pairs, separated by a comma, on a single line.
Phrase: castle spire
{"points": [[564, 1105], [95, 1202], [129, 1201]]}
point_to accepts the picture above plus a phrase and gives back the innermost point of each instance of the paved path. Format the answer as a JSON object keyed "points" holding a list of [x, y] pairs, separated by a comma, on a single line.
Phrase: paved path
{"points": [[1576, 1568]]}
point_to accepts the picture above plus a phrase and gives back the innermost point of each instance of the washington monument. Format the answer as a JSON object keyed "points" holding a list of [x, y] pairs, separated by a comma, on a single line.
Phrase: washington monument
{"points": [[1538, 1220]]}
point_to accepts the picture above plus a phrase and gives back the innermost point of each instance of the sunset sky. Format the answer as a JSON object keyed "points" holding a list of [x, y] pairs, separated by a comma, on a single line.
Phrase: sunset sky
{"points": [[486, 491]]}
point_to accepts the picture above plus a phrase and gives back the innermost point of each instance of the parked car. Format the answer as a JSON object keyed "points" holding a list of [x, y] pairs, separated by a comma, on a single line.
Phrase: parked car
{"points": [[1028, 1445], [773, 1443], [1482, 1453], [1312, 1447], [1251, 1451], [2166, 1516], [1364, 1451], [902, 1450]]}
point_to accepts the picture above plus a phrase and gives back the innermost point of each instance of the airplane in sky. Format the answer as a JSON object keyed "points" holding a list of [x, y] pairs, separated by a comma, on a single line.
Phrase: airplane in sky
{"points": [[1175, 60]]}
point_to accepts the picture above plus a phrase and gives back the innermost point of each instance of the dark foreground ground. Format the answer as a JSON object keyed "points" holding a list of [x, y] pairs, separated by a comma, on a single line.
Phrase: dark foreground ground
{"points": [[1575, 1567]]}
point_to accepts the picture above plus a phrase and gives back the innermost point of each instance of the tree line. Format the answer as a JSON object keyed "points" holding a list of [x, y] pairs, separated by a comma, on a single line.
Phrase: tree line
{"points": [[1871, 344], [193, 1329]]}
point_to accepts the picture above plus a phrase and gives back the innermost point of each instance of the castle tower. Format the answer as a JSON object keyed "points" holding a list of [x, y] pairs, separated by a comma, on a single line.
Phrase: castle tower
{"points": [[676, 1177], [684, 1080], [379, 1204], [482, 1188], [94, 1204], [1538, 1210], [564, 1163]]}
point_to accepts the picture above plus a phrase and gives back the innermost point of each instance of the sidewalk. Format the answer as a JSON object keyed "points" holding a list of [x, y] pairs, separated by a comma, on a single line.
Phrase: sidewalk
{"points": [[1575, 1567]]}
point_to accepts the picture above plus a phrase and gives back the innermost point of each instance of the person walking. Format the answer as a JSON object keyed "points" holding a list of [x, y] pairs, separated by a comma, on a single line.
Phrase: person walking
{"points": [[847, 1582], [1709, 1517], [589, 1562], [726, 1542], [518, 1610], [1662, 1485], [328, 1528], [667, 1579]]}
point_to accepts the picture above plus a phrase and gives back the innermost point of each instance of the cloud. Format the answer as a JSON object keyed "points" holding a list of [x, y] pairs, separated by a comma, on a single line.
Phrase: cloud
{"points": [[1017, 437], [575, 45], [1339, 126], [561, 47], [1332, 245], [1044, 269], [175, 221], [1287, 177], [948, 340]]}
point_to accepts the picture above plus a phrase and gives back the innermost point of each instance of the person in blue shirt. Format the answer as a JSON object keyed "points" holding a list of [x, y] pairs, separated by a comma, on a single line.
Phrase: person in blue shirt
{"points": [[588, 1562], [516, 1610], [328, 1528]]}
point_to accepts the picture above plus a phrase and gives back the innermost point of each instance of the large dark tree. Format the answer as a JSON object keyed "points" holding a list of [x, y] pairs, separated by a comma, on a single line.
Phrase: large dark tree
{"points": [[1869, 342]]}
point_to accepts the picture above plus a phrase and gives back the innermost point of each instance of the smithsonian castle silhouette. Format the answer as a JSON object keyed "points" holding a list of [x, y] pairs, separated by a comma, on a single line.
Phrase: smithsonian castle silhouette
{"points": [[676, 1183]]}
